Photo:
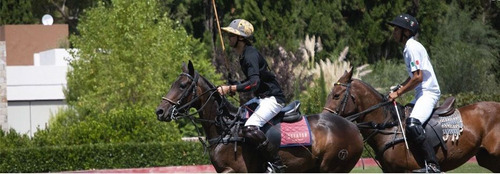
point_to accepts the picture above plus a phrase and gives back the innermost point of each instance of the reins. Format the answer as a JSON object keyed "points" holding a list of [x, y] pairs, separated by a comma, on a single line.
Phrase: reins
{"points": [[370, 109]]}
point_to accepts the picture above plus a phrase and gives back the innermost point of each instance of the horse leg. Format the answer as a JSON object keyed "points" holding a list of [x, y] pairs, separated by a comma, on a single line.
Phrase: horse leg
{"points": [[331, 164], [486, 160], [489, 155]]}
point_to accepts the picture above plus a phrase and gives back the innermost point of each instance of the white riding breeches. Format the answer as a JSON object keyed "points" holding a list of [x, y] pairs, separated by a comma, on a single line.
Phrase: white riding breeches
{"points": [[267, 109], [424, 106]]}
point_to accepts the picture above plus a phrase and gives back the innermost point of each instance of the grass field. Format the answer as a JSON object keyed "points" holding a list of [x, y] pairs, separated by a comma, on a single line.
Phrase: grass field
{"points": [[466, 168]]}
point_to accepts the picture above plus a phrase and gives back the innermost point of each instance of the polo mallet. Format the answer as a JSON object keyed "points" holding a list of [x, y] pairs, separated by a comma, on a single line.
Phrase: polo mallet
{"points": [[401, 124], [218, 25], [221, 41]]}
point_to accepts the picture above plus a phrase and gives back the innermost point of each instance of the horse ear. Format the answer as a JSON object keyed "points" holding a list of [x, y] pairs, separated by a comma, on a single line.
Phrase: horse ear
{"points": [[190, 68], [350, 73], [347, 76]]}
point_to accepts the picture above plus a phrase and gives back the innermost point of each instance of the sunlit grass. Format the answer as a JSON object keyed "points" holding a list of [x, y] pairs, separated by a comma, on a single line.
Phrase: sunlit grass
{"points": [[466, 168]]}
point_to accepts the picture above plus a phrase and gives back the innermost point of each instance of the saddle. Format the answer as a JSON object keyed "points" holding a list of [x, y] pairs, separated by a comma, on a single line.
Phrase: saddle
{"points": [[433, 127], [288, 114], [442, 118], [287, 121], [446, 109]]}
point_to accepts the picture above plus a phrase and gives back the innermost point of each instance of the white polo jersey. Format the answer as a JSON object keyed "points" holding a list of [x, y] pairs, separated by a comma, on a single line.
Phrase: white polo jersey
{"points": [[416, 58]]}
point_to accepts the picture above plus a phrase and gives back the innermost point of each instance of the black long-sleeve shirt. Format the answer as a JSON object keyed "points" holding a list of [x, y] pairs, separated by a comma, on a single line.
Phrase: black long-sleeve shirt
{"points": [[260, 79]]}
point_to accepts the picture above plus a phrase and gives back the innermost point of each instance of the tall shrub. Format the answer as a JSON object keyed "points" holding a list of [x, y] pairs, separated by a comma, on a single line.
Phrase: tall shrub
{"points": [[128, 55], [465, 53]]}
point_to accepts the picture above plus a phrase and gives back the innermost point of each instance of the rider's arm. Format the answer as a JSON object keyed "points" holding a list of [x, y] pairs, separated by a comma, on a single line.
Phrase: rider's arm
{"points": [[252, 83], [249, 85], [406, 81], [409, 84], [251, 62], [413, 82]]}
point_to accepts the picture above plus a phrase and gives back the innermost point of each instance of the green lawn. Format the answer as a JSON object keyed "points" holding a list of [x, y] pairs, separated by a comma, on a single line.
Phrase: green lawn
{"points": [[466, 168]]}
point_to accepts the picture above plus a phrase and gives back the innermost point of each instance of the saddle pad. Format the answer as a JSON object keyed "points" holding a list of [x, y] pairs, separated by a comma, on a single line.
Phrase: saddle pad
{"points": [[452, 126], [296, 134]]}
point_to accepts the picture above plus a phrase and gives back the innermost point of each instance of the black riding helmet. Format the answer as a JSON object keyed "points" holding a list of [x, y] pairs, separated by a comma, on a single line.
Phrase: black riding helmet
{"points": [[406, 21]]}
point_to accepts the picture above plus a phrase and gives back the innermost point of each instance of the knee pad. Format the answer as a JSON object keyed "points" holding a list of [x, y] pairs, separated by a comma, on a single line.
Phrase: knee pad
{"points": [[415, 131], [254, 134]]}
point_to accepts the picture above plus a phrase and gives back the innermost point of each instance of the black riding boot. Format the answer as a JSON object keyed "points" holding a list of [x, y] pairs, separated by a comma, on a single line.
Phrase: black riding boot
{"points": [[422, 151], [266, 149]]}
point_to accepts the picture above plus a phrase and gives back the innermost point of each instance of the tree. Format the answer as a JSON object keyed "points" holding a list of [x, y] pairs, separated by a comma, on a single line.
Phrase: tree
{"points": [[464, 55], [128, 55], [368, 33], [64, 11], [15, 12]]}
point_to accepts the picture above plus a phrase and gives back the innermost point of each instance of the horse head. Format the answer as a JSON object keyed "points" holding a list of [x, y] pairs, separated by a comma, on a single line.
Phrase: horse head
{"points": [[341, 100], [353, 98], [179, 99]]}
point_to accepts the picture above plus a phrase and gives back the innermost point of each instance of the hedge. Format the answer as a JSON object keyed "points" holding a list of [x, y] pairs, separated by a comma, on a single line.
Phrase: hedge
{"points": [[101, 156]]}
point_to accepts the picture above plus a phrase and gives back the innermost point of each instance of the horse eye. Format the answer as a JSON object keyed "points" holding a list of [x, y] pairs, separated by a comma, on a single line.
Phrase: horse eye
{"points": [[183, 85], [336, 96]]}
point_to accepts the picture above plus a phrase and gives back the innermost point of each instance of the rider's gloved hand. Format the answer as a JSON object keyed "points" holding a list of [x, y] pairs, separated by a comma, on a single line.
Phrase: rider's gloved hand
{"points": [[394, 94], [395, 88]]}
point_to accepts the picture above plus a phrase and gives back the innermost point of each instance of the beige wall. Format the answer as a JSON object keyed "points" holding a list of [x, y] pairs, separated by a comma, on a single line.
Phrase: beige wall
{"points": [[22, 41], [3, 88]]}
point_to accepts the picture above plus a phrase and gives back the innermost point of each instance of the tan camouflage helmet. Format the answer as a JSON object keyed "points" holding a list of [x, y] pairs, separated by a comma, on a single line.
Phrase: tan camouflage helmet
{"points": [[240, 27]]}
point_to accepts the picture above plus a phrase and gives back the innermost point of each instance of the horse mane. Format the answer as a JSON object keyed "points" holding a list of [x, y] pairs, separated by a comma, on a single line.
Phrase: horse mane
{"points": [[370, 87], [219, 98], [387, 108]]}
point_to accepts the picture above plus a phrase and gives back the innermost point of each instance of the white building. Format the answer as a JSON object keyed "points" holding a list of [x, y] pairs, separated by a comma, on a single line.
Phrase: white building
{"points": [[35, 93]]}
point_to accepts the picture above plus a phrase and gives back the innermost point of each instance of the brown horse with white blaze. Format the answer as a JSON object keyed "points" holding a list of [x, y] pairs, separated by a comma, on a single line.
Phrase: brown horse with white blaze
{"points": [[358, 101], [336, 143]]}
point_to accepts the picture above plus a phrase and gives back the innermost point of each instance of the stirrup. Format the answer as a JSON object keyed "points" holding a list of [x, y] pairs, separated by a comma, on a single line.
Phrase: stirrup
{"points": [[273, 168]]}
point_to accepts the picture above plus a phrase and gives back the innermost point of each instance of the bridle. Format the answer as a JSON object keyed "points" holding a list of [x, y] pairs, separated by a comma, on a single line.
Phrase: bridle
{"points": [[340, 109], [176, 108], [181, 111]]}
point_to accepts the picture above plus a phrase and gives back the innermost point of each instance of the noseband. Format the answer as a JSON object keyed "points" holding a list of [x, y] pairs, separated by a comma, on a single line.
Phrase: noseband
{"points": [[176, 108]]}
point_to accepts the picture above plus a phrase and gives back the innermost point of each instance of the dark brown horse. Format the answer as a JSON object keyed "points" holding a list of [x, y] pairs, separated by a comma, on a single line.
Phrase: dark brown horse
{"points": [[356, 100], [336, 142]]}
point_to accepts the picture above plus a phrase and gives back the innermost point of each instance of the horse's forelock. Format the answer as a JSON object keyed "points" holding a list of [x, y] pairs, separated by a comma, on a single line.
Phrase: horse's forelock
{"points": [[218, 97]]}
